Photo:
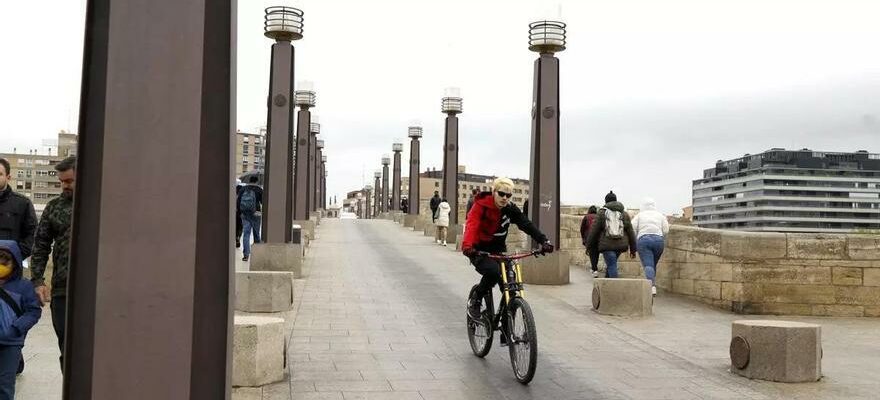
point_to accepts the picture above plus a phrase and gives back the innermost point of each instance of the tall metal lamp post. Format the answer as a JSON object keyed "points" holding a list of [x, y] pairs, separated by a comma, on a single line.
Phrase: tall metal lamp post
{"points": [[305, 99], [415, 133], [451, 106], [315, 130], [397, 147], [319, 174], [386, 161], [377, 207], [324, 181]]}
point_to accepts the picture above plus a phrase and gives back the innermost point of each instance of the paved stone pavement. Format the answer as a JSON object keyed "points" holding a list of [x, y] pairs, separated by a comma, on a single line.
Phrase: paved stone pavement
{"points": [[380, 315]]}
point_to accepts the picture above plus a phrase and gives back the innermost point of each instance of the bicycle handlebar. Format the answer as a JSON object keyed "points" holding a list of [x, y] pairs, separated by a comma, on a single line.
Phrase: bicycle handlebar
{"points": [[517, 256]]}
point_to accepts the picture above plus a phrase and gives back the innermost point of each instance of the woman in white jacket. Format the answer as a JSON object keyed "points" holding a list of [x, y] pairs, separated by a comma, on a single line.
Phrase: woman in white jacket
{"points": [[651, 227], [442, 221]]}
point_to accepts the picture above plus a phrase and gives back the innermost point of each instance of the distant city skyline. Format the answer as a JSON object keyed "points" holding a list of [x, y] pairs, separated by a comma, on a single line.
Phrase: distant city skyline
{"points": [[652, 92]]}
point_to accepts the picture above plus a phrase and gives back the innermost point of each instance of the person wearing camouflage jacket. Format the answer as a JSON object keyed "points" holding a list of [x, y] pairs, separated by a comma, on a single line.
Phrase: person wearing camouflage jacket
{"points": [[53, 235]]}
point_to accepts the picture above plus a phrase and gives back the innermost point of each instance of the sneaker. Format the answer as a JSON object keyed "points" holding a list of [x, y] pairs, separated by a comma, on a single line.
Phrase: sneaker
{"points": [[653, 290], [474, 309], [237, 244], [595, 274], [245, 258], [444, 243]]}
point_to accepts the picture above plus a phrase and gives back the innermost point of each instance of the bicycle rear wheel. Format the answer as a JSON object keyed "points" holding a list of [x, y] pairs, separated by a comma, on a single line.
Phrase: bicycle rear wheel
{"points": [[523, 340], [480, 331]]}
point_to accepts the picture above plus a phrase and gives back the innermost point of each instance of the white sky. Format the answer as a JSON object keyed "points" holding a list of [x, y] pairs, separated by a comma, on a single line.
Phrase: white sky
{"points": [[652, 92]]}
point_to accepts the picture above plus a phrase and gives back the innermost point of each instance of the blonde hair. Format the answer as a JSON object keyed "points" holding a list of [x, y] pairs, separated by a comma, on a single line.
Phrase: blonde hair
{"points": [[502, 184]]}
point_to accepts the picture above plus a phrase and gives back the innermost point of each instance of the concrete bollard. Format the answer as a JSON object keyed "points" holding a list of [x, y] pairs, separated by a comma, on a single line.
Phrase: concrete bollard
{"points": [[779, 351], [409, 221], [622, 297], [263, 291], [431, 230], [419, 225], [549, 269], [258, 349], [308, 229], [285, 257]]}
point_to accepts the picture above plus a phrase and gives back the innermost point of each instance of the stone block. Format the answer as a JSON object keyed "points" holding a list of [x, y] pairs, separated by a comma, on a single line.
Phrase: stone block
{"points": [[263, 291], [430, 230], [453, 232], [856, 295], [409, 220], [707, 289], [622, 297], [779, 351], [683, 286], [419, 225], [703, 271], [286, 257], [863, 247], [257, 351], [308, 228], [872, 311], [871, 277], [832, 310], [689, 238], [817, 246], [803, 294], [247, 393], [782, 274], [753, 245], [785, 309], [732, 291], [550, 269], [846, 276]]}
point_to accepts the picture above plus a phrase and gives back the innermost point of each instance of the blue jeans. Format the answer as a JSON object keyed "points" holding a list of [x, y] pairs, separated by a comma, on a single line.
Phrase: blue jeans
{"points": [[650, 249], [250, 223], [9, 357], [610, 263]]}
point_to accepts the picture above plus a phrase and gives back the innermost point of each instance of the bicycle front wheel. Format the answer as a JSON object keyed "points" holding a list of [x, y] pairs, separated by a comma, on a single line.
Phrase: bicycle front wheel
{"points": [[523, 340], [480, 330]]}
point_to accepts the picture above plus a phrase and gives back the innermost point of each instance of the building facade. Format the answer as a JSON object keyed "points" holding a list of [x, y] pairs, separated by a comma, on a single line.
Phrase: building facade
{"points": [[791, 191], [33, 174], [432, 180], [250, 151]]}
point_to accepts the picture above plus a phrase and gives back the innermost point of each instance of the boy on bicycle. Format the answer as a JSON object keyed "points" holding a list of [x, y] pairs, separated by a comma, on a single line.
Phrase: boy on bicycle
{"points": [[486, 231]]}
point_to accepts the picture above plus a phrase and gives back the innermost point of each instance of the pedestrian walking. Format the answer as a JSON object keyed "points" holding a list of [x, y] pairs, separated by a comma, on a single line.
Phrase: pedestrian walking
{"points": [[651, 228], [250, 203], [612, 234], [592, 253], [470, 202], [442, 221], [19, 312], [404, 205], [435, 202], [53, 237], [239, 229], [18, 221]]}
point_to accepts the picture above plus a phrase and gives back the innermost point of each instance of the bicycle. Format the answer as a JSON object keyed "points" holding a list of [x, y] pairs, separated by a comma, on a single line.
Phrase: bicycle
{"points": [[514, 319]]}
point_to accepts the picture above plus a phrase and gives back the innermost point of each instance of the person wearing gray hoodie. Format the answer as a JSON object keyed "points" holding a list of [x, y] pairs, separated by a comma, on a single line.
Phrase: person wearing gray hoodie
{"points": [[651, 227], [612, 234]]}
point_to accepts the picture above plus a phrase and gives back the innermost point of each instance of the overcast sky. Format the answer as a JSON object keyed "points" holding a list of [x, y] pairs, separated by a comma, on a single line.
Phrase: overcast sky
{"points": [[652, 92]]}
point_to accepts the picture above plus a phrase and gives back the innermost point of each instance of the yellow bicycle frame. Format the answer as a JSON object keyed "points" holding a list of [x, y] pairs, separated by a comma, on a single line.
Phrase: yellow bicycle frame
{"points": [[518, 273]]}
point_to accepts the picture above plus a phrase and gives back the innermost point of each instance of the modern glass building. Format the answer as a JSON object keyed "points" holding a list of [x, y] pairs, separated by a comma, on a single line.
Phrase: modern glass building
{"points": [[791, 191]]}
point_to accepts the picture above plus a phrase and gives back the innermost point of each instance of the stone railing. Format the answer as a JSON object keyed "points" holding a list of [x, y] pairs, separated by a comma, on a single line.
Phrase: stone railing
{"points": [[761, 273]]}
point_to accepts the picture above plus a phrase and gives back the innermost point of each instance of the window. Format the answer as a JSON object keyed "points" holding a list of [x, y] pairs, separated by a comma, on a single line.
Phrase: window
{"points": [[20, 173], [42, 173], [41, 185], [19, 185], [27, 186]]}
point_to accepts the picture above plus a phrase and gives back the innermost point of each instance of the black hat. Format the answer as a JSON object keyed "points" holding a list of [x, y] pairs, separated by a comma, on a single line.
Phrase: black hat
{"points": [[610, 197]]}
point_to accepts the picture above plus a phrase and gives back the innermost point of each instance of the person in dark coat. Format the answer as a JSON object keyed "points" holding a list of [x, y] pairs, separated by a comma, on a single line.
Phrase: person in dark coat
{"points": [[470, 202], [612, 240], [435, 202], [20, 310], [593, 253], [18, 221]]}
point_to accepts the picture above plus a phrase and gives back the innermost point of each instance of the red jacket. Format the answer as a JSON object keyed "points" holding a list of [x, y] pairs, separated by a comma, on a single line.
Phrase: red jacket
{"points": [[586, 225], [487, 225]]}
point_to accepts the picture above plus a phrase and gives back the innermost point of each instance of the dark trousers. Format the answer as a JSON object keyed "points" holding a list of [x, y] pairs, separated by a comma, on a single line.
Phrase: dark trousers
{"points": [[238, 227], [9, 359], [594, 259], [59, 319], [491, 271]]}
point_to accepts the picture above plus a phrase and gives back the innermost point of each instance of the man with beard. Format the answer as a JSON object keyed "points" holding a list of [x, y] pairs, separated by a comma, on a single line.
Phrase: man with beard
{"points": [[53, 236]]}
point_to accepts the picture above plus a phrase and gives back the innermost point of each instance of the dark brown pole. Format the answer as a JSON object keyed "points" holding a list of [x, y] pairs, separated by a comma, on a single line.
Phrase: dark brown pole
{"points": [[450, 166], [414, 174], [158, 89], [378, 190], [301, 169], [544, 175], [395, 180], [278, 191], [313, 175], [385, 185], [318, 178]]}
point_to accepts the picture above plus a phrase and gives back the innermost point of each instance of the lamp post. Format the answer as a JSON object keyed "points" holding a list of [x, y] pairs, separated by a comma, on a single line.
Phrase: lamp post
{"points": [[282, 24], [359, 207], [451, 106], [319, 174], [397, 147], [386, 160], [415, 133], [305, 99], [377, 193], [314, 131], [324, 181], [545, 38]]}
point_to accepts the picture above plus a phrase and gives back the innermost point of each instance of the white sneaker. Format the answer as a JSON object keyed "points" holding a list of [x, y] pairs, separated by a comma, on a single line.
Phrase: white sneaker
{"points": [[595, 274], [653, 290], [444, 243], [438, 241]]}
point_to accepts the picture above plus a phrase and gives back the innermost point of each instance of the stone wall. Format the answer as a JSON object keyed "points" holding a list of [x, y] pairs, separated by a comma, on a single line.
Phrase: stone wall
{"points": [[761, 273]]}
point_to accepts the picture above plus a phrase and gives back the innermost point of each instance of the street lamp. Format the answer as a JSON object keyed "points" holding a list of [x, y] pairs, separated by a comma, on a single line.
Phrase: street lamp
{"points": [[377, 193], [397, 148], [319, 174], [415, 133], [386, 160], [323, 181], [314, 130], [305, 98], [545, 38], [451, 106], [283, 23]]}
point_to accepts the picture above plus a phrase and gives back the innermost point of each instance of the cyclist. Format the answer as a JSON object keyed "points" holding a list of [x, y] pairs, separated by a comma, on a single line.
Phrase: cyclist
{"points": [[486, 231]]}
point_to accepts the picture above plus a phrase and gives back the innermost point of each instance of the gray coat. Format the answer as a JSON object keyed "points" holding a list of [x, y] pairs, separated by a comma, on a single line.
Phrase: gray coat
{"points": [[598, 239]]}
